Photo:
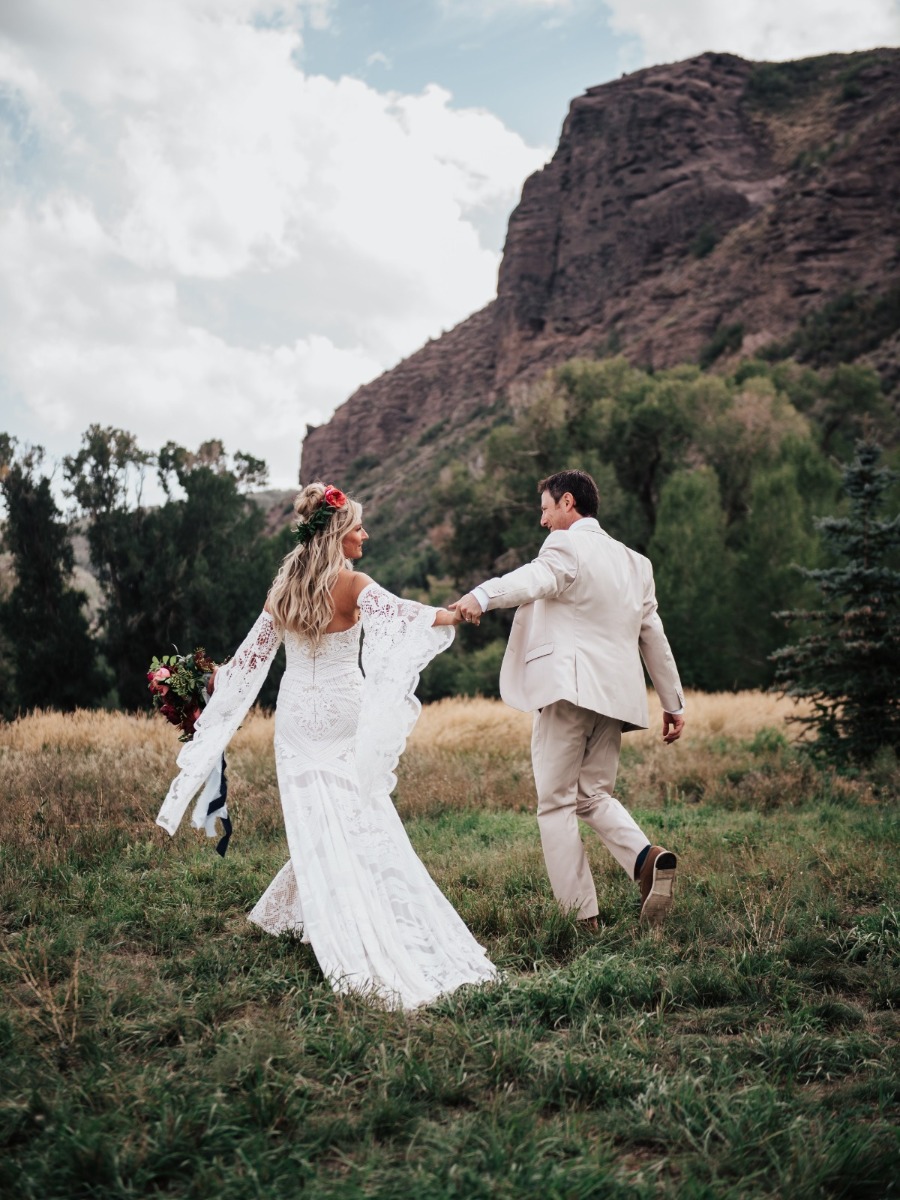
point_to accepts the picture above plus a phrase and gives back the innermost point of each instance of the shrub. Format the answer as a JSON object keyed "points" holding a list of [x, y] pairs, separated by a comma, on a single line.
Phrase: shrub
{"points": [[726, 340]]}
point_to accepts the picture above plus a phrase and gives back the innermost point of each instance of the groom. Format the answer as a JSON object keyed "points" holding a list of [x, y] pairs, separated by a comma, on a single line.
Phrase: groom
{"points": [[587, 616]]}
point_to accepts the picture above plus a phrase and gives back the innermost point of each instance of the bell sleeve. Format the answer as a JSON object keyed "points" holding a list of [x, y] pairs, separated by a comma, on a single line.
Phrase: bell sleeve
{"points": [[399, 640], [237, 686]]}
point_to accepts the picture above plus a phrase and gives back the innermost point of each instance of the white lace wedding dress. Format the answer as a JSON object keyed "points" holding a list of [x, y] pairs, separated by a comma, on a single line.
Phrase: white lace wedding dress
{"points": [[353, 887]]}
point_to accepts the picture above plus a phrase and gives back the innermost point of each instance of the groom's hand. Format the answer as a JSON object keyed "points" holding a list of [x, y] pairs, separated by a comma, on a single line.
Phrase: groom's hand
{"points": [[468, 608], [672, 726]]}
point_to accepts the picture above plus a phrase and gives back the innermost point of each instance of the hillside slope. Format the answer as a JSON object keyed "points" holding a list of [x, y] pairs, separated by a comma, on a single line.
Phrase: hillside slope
{"points": [[692, 212]]}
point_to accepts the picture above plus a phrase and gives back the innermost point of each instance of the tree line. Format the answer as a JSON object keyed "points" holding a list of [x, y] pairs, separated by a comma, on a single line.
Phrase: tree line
{"points": [[190, 571], [718, 479], [723, 481]]}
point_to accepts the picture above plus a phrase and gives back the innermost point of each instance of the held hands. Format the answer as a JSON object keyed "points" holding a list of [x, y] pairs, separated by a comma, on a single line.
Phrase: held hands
{"points": [[444, 616], [672, 727], [467, 609]]}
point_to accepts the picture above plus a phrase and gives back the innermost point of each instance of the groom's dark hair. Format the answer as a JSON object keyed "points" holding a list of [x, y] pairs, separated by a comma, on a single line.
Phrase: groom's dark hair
{"points": [[579, 483]]}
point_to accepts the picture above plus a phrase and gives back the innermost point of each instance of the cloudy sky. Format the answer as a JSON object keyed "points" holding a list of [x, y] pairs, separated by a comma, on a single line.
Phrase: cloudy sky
{"points": [[219, 217]]}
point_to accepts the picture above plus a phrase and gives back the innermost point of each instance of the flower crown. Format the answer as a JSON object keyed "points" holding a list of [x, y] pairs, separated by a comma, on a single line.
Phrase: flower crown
{"points": [[319, 518]]}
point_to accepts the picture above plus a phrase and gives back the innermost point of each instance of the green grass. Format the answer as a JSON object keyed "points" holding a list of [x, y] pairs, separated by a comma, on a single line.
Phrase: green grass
{"points": [[776, 86], [153, 1043]]}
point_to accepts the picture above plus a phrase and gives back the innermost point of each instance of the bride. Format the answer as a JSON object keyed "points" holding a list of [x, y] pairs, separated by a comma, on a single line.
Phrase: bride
{"points": [[353, 886]]}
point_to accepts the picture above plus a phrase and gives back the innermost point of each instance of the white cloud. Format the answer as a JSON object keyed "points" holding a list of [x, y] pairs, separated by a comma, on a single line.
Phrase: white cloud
{"points": [[488, 9], [175, 178], [755, 29], [114, 348]]}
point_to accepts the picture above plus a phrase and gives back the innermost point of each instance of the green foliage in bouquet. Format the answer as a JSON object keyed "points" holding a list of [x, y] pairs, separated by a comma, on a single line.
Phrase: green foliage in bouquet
{"points": [[177, 684]]}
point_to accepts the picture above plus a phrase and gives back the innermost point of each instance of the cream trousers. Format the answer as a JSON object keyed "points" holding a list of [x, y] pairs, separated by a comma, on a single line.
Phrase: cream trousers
{"points": [[575, 755]]}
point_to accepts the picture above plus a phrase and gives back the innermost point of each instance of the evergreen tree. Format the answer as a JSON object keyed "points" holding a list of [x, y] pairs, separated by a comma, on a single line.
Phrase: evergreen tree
{"points": [[50, 660], [849, 664]]}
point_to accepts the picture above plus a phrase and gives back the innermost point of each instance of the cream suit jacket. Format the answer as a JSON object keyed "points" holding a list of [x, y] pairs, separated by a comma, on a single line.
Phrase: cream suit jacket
{"points": [[587, 617]]}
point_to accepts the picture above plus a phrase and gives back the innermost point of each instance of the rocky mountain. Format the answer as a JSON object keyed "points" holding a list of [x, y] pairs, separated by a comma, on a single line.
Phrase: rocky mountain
{"points": [[697, 211]]}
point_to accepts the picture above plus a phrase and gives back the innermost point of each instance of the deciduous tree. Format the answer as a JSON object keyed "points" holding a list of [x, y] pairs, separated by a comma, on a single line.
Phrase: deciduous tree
{"points": [[191, 571]]}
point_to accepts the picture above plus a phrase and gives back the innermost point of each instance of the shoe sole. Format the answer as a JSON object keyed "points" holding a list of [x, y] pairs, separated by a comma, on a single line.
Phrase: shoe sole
{"points": [[659, 899]]}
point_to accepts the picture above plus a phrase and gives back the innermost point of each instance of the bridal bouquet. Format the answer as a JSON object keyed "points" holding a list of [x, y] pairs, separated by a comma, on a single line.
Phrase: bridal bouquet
{"points": [[177, 684]]}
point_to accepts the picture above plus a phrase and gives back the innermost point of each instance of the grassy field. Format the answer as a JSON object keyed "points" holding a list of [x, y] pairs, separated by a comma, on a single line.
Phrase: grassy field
{"points": [[153, 1043]]}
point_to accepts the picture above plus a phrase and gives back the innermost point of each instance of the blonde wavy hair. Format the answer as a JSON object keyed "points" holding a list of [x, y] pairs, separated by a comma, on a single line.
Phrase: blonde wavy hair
{"points": [[300, 596]]}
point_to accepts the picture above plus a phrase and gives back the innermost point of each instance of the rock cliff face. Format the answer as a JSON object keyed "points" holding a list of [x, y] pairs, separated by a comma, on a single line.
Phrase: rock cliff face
{"points": [[707, 205], [444, 381]]}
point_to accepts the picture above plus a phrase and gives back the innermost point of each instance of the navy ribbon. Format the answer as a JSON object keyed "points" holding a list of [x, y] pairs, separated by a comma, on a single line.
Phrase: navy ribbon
{"points": [[218, 803]]}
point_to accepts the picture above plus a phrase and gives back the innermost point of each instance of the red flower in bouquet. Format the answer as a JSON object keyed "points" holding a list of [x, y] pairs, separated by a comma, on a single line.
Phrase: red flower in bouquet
{"points": [[177, 684], [189, 721]]}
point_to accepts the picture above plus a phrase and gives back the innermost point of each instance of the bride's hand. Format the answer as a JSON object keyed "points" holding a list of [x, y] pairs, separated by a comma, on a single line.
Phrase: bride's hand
{"points": [[446, 616]]}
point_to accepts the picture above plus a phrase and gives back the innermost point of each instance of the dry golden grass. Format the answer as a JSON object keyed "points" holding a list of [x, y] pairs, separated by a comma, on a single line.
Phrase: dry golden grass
{"points": [[89, 729], [476, 724], [459, 724], [63, 772], [477, 752], [734, 714], [65, 777], [465, 723]]}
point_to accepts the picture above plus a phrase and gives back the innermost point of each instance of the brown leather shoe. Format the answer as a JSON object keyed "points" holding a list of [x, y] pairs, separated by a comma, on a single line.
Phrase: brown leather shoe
{"points": [[657, 883]]}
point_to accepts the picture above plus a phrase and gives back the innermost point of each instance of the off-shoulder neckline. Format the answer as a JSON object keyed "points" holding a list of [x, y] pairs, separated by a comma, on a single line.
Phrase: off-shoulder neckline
{"points": [[355, 625]]}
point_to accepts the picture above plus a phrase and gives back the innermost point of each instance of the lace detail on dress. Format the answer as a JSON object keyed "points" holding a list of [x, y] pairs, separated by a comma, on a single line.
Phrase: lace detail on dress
{"points": [[318, 702], [278, 909], [237, 686], [400, 640]]}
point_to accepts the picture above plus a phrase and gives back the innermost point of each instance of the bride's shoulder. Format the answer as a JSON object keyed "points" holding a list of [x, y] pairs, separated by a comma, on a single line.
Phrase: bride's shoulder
{"points": [[353, 583]]}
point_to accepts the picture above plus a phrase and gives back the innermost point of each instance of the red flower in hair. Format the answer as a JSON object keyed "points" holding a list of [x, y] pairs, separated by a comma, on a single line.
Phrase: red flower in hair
{"points": [[335, 497]]}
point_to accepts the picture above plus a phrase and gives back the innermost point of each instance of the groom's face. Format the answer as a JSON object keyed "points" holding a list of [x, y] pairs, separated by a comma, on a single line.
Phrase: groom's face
{"points": [[558, 514]]}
